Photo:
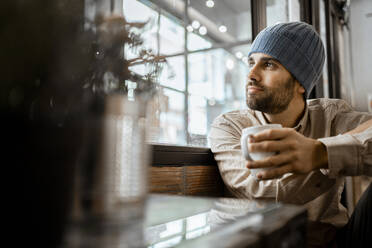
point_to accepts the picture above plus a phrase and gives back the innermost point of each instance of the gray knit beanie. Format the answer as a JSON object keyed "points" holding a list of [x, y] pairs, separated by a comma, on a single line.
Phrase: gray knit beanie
{"points": [[297, 46]]}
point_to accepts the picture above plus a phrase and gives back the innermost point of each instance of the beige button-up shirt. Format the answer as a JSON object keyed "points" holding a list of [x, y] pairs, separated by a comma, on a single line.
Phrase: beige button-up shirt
{"points": [[320, 191]]}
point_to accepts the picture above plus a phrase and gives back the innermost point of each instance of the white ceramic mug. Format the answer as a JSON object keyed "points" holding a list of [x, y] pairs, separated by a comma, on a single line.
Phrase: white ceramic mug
{"points": [[246, 132]]}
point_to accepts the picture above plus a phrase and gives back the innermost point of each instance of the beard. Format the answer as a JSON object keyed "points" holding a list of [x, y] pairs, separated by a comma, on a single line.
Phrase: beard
{"points": [[271, 100]]}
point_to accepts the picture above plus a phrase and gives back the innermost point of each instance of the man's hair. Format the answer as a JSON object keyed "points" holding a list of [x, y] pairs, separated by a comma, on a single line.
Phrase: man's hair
{"points": [[297, 46]]}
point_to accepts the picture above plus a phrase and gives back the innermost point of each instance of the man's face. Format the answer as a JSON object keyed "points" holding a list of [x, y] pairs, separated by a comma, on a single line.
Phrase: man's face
{"points": [[270, 87]]}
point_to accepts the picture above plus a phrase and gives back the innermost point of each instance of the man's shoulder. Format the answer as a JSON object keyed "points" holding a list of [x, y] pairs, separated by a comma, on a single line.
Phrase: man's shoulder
{"points": [[328, 104], [235, 117], [230, 124]]}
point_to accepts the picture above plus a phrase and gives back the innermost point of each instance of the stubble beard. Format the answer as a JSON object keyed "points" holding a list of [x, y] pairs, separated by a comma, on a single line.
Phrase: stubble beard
{"points": [[271, 100]]}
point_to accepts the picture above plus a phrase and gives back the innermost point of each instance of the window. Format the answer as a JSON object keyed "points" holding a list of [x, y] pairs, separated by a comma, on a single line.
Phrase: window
{"points": [[216, 80], [282, 11], [131, 8], [206, 45]]}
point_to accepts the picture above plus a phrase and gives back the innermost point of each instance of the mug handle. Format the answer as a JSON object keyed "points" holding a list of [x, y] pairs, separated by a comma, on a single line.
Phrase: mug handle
{"points": [[244, 147]]}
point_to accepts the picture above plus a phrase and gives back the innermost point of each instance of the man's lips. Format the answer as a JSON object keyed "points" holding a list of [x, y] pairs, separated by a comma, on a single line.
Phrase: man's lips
{"points": [[254, 89]]}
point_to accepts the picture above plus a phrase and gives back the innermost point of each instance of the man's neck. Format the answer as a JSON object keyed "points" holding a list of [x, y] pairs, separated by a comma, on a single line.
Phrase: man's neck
{"points": [[289, 117]]}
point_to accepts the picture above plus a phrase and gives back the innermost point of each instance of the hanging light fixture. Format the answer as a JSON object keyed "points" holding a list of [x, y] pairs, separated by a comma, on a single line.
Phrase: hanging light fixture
{"points": [[203, 30], [189, 28], [195, 24], [222, 28], [239, 55], [209, 3]]}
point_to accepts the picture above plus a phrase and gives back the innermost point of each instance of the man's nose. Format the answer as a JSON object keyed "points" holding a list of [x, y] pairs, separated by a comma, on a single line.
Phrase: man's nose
{"points": [[254, 74]]}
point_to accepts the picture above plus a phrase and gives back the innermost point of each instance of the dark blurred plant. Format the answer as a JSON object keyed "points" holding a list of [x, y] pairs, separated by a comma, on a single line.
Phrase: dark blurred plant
{"points": [[109, 69]]}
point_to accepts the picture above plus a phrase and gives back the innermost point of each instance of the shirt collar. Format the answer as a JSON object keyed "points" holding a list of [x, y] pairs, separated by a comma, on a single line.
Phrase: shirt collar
{"points": [[261, 117], [300, 127]]}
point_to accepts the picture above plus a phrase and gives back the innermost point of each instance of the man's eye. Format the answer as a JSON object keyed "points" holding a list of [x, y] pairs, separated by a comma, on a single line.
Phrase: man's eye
{"points": [[269, 64], [250, 64]]}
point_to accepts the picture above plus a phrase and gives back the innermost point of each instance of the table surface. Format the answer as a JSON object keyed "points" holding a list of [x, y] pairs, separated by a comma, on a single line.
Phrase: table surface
{"points": [[185, 221], [182, 221]]}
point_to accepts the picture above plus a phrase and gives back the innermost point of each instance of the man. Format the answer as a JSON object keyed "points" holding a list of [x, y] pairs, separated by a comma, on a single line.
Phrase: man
{"points": [[322, 141]]}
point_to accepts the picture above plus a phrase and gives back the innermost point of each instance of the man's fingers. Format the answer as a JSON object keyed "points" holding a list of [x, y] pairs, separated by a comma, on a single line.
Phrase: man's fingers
{"points": [[270, 146], [272, 134], [274, 173], [273, 161]]}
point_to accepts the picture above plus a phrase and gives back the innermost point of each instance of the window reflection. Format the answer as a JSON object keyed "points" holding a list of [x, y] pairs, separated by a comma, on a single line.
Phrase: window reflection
{"points": [[196, 221], [219, 213], [172, 228], [198, 233], [172, 233], [168, 243]]}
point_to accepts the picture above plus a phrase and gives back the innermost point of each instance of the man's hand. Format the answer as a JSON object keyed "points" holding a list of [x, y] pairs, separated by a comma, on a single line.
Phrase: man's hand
{"points": [[295, 153]]}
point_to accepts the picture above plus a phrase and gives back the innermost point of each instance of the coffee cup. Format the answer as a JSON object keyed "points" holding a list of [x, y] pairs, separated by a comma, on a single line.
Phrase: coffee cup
{"points": [[253, 156]]}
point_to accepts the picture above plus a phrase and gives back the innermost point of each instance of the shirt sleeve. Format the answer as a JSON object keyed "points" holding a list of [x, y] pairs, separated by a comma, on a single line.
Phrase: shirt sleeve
{"points": [[349, 155], [224, 139]]}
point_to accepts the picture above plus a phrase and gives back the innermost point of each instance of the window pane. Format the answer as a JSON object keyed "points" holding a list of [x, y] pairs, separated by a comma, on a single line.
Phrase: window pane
{"points": [[166, 118], [172, 35], [282, 11], [220, 22], [173, 73], [133, 7], [219, 75], [164, 33], [197, 115], [216, 85], [196, 42]]}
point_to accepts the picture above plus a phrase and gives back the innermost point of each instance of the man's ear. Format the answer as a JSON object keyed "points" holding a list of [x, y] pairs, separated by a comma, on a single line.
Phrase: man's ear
{"points": [[300, 88]]}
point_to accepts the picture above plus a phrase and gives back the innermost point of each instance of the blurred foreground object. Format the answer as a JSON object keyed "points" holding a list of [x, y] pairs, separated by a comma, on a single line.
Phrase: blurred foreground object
{"points": [[73, 139]]}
